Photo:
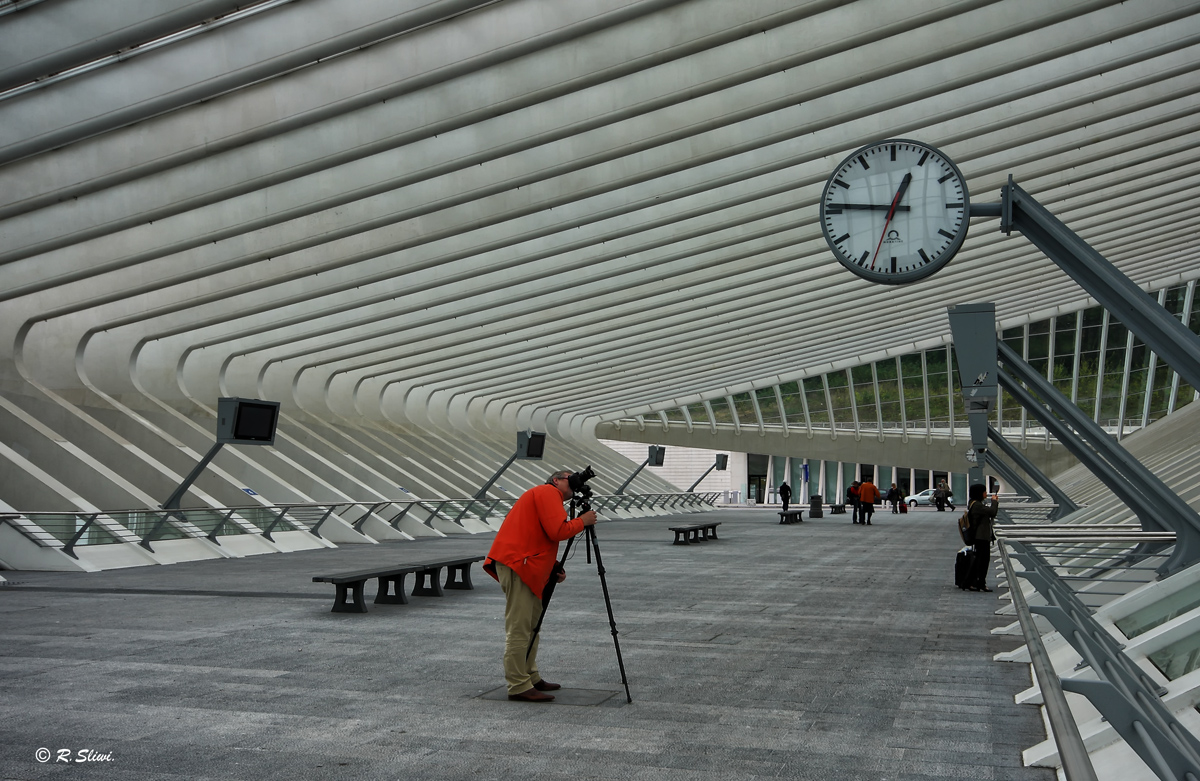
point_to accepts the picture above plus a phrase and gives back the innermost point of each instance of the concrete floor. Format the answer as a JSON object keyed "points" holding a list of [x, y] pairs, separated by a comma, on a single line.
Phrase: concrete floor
{"points": [[821, 650]]}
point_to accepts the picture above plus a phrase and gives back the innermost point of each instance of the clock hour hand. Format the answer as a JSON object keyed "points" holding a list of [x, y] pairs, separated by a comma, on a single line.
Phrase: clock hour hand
{"points": [[877, 207], [891, 212]]}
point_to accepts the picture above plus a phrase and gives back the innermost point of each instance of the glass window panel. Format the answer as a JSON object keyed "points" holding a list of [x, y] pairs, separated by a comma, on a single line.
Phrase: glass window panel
{"points": [[1175, 299], [1161, 392], [1183, 601], [721, 411], [935, 368], [744, 405], [839, 397], [1138, 368], [675, 414], [1039, 346], [864, 395], [793, 405], [1014, 338], [698, 412], [815, 393], [889, 393], [1114, 370], [1178, 658], [768, 406], [1194, 320], [914, 390]]}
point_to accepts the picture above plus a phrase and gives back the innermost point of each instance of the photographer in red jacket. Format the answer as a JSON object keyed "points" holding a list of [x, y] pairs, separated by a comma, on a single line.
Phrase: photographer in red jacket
{"points": [[522, 559]]}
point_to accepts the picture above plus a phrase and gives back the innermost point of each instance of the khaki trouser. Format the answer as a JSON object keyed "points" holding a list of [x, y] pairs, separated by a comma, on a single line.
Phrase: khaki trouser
{"points": [[521, 612]]}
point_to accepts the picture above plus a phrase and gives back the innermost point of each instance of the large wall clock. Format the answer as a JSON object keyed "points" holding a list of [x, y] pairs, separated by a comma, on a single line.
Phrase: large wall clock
{"points": [[895, 211]]}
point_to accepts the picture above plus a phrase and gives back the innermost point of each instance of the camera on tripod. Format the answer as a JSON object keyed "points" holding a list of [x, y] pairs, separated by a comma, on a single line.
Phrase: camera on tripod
{"points": [[578, 481]]}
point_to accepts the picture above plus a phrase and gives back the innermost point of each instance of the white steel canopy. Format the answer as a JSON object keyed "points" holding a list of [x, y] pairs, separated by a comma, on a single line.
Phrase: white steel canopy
{"points": [[534, 212]]}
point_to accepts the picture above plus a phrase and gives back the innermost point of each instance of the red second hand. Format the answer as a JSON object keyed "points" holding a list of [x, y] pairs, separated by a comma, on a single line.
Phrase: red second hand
{"points": [[891, 211]]}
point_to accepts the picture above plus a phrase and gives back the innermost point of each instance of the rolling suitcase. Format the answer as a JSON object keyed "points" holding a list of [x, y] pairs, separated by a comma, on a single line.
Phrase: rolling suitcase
{"points": [[962, 566], [903, 506]]}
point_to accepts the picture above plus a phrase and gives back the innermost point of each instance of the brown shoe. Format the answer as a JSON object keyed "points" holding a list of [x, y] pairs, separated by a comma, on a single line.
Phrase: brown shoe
{"points": [[546, 686], [532, 695]]}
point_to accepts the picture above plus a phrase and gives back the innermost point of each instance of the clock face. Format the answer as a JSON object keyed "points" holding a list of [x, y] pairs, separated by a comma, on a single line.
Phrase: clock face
{"points": [[895, 211]]}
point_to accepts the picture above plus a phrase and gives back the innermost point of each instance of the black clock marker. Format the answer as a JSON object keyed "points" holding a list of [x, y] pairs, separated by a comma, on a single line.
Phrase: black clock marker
{"points": [[893, 153], [841, 238], [864, 258], [954, 205], [893, 265], [946, 178], [924, 257], [863, 160], [840, 183], [924, 157], [945, 233]]}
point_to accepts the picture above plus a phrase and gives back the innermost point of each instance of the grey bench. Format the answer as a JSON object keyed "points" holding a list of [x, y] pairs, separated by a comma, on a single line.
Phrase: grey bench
{"points": [[427, 582], [695, 532], [791, 516]]}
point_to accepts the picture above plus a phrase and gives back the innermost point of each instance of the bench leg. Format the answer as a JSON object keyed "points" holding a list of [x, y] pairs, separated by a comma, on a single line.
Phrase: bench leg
{"points": [[459, 576], [341, 605], [694, 535], [713, 532], [428, 583], [391, 591], [680, 538]]}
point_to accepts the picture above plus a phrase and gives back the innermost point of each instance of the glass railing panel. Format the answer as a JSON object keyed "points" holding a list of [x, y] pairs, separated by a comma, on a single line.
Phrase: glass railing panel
{"points": [[1162, 611], [1179, 658]]}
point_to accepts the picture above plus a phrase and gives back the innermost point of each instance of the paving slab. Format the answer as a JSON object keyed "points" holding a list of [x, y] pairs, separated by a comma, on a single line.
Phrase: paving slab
{"points": [[820, 650]]}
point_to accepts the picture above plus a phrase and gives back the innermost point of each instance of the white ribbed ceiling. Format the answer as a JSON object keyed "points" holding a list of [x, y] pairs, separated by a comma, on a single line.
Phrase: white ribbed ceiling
{"points": [[537, 207]]}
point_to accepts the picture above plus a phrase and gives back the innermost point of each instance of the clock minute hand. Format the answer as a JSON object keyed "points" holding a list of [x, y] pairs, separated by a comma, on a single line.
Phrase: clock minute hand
{"points": [[891, 212]]}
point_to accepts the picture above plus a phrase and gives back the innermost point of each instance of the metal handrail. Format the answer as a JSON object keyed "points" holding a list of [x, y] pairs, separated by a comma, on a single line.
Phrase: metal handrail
{"points": [[1076, 763], [178, 522], [1125, 695]]}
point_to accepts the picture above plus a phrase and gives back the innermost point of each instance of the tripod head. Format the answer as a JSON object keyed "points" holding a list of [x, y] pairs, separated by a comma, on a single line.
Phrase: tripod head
{"points": [[583, 492]]}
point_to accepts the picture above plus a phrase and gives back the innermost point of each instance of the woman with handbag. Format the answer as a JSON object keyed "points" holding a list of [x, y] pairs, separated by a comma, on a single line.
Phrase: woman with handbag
{"points": [[981, 520]]}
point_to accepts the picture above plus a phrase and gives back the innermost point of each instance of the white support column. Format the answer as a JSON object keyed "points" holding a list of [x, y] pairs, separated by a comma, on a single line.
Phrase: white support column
{"points": [[878, 407], [1151, 365], [1125, 384], [804, 406], [1024, 412], [782, 411], [925, 385], [737, 424], [1100, 366], [1077, 357], [950, 393], [853, 405], [829, 407], [1188, 298]]}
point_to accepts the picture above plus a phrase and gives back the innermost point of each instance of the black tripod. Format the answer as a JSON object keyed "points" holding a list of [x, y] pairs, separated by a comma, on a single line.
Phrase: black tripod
{"points": [[548, 591]]}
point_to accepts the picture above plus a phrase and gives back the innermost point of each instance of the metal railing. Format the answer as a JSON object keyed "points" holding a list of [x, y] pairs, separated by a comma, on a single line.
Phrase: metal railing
{"points": [[68, 530], [1124, 694]]}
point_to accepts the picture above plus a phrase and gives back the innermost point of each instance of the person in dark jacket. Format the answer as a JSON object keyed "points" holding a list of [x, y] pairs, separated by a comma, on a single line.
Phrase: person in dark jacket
{"points": [[895, 497], [981, 520], [785, 495]]}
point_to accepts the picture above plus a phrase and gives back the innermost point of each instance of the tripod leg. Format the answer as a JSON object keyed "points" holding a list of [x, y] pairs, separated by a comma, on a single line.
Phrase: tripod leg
{"points": [[612, 622]]}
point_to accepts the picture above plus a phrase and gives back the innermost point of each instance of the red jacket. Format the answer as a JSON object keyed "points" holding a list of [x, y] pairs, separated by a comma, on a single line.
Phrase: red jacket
{"points": [[528, 539], [867, 492]]}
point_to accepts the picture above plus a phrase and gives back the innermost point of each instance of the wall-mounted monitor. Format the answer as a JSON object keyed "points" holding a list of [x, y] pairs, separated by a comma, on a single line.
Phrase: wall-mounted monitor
{"points": [[657, 454], [246, 421], [722, 461], [531, 445]]}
